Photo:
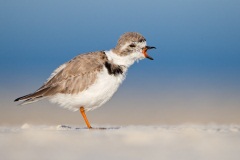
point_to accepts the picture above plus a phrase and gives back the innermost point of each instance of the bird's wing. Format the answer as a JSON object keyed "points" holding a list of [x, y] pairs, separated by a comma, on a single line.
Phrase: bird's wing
{"points": [[71, 77]]}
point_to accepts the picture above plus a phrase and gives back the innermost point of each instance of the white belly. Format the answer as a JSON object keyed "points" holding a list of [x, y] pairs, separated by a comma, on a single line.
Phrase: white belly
{"points": [[95, 96]]}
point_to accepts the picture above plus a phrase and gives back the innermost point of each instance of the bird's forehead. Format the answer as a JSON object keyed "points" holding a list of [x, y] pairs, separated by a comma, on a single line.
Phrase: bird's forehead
{"points": [[131, 37]]}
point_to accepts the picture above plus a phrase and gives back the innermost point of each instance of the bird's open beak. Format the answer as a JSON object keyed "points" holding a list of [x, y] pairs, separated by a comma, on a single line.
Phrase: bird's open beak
{"points": [[145, 52]]}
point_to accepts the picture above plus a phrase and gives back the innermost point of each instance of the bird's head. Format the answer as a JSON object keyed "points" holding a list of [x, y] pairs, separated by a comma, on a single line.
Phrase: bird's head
{"points": [[133, 45]]}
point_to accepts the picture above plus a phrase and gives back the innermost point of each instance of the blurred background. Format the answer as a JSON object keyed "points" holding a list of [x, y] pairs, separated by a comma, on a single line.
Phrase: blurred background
{"points": [[194, 78]]}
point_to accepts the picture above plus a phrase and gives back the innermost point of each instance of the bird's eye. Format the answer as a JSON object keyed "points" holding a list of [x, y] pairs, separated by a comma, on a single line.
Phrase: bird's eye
{"points": [[142, 40], [132, 45]]}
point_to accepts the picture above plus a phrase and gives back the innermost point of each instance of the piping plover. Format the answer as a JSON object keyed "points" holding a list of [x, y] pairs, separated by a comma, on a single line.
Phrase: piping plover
{"points": [[89, 80]]}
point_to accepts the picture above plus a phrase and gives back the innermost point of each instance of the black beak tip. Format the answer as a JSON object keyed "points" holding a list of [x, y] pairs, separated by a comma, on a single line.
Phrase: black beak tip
{"points": [[150, 58], [149, 47]]}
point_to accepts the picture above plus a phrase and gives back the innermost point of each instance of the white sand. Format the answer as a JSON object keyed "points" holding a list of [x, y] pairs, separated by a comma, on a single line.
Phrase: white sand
{"points": [[182, 142]]}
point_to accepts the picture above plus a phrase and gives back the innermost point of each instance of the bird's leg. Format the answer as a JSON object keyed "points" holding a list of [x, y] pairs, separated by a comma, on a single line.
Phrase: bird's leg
{"points": [[82, 111]]}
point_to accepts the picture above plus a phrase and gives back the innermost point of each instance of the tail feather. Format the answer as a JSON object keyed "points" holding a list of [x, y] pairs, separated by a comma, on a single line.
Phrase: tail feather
{"points": [[33, 97], [31, 100], [24, 97]]}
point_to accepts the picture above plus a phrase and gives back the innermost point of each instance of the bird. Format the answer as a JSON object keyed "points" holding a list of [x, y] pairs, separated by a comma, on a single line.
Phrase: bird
{"points": [[90, 79]]}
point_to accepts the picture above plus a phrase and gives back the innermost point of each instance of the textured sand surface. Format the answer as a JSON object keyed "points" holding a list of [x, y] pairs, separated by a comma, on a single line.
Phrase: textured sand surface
{"points": [[182, 142]]}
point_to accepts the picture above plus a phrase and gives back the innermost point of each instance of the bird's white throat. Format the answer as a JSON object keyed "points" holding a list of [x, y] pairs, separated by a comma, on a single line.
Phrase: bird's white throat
{"points": [[126, 61]]}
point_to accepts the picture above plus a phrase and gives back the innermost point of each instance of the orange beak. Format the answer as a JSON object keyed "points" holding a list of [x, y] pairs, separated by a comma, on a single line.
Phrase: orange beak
{"points": [[144, 51]]}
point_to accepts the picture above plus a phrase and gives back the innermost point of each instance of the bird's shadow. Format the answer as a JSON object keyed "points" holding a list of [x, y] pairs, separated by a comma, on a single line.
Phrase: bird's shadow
{"points": [[67, 127]]}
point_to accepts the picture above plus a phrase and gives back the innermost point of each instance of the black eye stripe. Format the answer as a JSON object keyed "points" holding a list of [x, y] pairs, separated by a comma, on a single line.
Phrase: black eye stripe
{"points": [[132, 45]]}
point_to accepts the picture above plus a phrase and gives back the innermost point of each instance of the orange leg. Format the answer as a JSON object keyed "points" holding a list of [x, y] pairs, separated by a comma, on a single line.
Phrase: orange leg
{"points": [[82, 111]]}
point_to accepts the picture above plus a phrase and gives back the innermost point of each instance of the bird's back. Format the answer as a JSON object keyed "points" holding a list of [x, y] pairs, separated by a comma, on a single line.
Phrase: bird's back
{"points": [[72, 77]]}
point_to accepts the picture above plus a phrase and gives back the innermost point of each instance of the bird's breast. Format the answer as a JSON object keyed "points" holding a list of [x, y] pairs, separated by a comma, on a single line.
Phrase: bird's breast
{"points": [[104, 88], [95, 95]]}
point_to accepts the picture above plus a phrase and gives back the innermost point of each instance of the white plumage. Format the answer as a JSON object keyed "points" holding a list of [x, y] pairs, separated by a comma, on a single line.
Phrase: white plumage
{"points": [[102, 90], [96, 95]]}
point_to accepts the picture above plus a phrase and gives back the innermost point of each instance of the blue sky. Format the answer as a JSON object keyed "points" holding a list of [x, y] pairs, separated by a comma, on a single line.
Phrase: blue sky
{"points": [[198, 45]]}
